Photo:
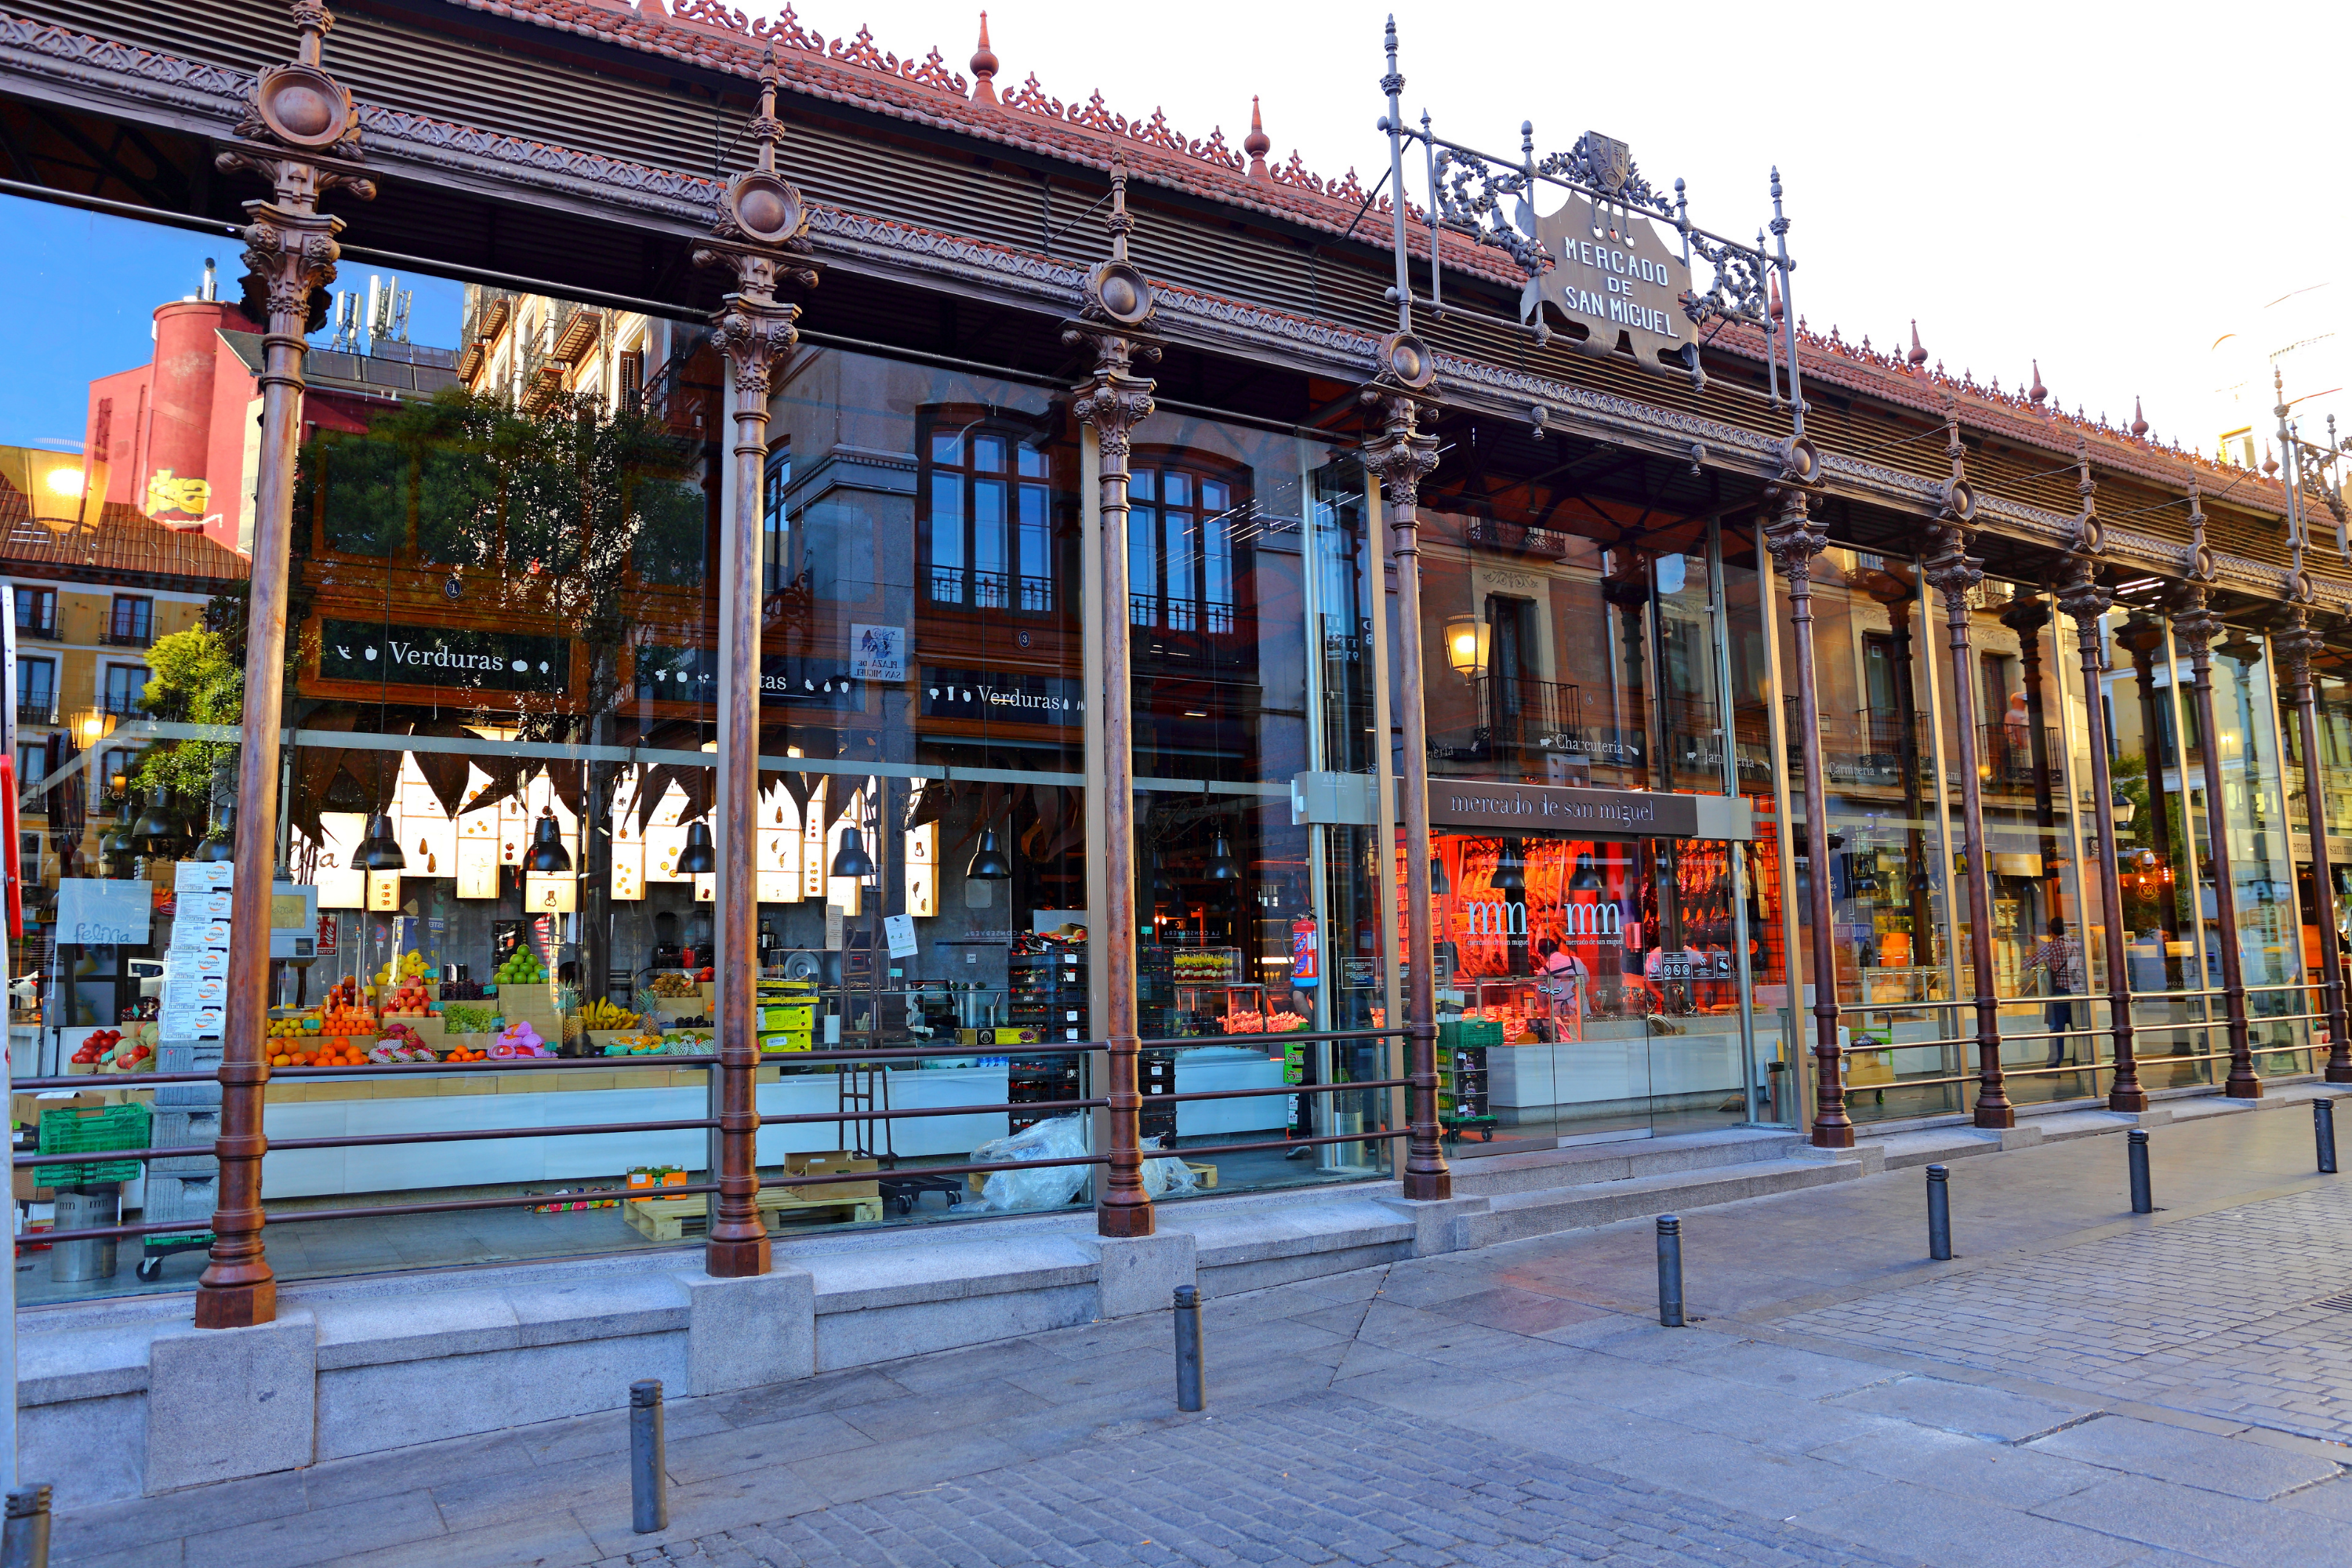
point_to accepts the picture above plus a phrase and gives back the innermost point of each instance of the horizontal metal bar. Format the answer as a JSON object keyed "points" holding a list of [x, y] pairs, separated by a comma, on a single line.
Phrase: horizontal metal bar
{"points": [[1285, 1144], [1281, 1088]]}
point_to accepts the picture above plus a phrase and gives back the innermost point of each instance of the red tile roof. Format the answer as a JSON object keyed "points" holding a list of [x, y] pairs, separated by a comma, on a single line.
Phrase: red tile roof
{"points": [[125, 543]]}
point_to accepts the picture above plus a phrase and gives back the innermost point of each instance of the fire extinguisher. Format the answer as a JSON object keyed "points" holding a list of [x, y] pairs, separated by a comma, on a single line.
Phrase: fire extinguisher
{"points": [[1306, 952]]}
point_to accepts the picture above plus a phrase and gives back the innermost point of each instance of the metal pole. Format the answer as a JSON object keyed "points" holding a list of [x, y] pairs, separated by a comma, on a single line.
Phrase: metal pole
{"points": [[1794, 541], [2142, 1194], [2087, 601], [1940, 1213], [26, 1540], [1114, 400], [2198, 624], [1670, 1271], [291, 251], [2296, 644], [1953, 573], [1191, 1393], [756, 331], [2323, 1131], [648, 1463]]}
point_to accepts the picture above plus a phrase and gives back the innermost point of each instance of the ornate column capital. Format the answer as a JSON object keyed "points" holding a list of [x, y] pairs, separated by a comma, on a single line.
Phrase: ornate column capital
{"points": [[2297, 642], [1401, 454], [2026, 617], [1116, 315], [2080, 597], [761, 236], [1792, 537], [2195, 623]]}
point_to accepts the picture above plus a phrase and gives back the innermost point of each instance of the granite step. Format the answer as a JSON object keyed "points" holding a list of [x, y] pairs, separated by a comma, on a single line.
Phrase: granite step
{"points": [[1514, 1216], [1495, 1175]]}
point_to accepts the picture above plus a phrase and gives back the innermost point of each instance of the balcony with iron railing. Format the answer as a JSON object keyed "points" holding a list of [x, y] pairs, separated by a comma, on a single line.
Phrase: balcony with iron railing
{"points": [[45, 630], [41, 708], [128, 637]]}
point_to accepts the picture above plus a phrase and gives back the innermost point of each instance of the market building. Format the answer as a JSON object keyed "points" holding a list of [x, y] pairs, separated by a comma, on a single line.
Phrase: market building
{"points": [[998, 668]]}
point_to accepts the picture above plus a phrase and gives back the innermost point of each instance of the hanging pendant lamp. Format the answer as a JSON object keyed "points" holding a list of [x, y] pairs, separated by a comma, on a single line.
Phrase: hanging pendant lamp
{"points": [[1584, 878], [379, 851], [547, 853], [851, 860], [157, 834], [116, 844], [1510, 871], [699, 858], [1223, 867], [988, 862], [219, 845], [1439, 887]]}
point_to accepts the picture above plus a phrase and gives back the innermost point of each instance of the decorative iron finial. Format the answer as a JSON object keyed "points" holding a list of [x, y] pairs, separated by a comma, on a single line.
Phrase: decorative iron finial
{"points": [[983, 67], [1256, 143], [1957, 497], [2088, 533], [2270, 459], [2037, 391], [2200, 558], [2139, 421], [1778, 309], [1919, 355], [1118, 294]]}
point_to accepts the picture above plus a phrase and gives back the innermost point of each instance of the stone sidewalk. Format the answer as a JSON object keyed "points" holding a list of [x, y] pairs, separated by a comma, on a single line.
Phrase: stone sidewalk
{"points": [[2078, 1387]]}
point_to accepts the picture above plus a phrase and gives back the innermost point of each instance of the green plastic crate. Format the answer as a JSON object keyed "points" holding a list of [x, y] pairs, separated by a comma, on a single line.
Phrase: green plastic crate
{"points": [[68, 1131], [1469, 1032]]}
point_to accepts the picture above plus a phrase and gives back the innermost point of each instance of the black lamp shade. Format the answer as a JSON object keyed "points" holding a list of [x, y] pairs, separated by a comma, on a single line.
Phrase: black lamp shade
{"points": [[1223, 867], [699, 858], [158, 833], [988, 862], [547, 853], [851, 860], [1438, 886], [117, 842], [220, 844], [379, 851], [1584, 878], [1510, 873]]}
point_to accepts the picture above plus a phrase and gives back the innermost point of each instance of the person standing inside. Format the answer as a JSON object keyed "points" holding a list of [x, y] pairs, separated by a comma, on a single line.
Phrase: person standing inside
{"points": [[2056, 958]]}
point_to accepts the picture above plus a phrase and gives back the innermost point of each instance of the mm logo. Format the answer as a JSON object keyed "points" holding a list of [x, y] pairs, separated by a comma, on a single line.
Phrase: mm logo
{"points": [[1495, 918], [1594, 919]]}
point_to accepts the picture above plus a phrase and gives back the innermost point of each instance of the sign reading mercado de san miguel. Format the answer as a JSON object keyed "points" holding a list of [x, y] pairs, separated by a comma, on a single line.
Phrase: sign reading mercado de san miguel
{"points": [[1513, 808], [1612, 272]]}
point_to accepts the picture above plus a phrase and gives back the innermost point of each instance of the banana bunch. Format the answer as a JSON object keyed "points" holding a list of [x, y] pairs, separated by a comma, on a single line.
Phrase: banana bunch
{"points": [[603, 1015]]}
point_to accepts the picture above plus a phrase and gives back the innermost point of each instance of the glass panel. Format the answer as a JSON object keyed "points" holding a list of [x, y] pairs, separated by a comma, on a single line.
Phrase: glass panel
{"points": [[946, 536], [991, 554], [1036, 545]]}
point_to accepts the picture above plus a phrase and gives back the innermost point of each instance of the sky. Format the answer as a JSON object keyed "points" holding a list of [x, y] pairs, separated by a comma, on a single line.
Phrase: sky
{"points": [[2110, 191]]}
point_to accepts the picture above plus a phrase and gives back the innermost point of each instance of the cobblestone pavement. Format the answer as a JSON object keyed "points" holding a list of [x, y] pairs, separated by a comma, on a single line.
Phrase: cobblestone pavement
{"points": [[2224, 1314], [1324, 1479], [2080, 1389]]}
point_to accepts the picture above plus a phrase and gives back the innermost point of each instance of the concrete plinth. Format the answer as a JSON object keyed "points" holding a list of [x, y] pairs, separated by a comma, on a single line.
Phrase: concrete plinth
{"points": [[1140, 1274], [1437, 1223], [745, 1333], [227, 1403]]}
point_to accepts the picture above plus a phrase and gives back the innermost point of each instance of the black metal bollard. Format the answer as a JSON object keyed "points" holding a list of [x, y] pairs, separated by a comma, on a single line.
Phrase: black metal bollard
{"points": [[648, 1464], [1191, 1395], [2143, 1196], [1670, 1271], [2323, 1130], [24, 1543], [1940, 1213]]}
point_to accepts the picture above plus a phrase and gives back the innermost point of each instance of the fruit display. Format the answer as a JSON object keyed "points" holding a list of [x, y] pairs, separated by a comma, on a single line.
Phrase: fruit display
{"points": [[521, 967], [1204, 966], [112, 1050], [674, 982], [293, 1027], [348, 1021], [460, 1054], [394, 1050], [461, 1019], [603, 1015], [324, 1051], [1241, 1023], [410, 967], [520, 1040], [409, 999]]}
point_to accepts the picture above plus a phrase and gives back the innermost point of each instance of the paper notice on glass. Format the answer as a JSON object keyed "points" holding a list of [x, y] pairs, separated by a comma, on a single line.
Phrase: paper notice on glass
{"points": [[211, 905], [190, 1023], [835, 916], [93, 910], [203, 876], [900, 932]]}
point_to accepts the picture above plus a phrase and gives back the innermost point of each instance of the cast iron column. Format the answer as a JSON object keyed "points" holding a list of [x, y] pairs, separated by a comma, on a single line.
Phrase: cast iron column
{"points": [[1115, 400], [1403, 457], [2296, 645], [1793, 540], [2087, 601], [760, 240], [300, 135], [2029, 618], [1898, 595], [2197, 626], [1954, 573]]}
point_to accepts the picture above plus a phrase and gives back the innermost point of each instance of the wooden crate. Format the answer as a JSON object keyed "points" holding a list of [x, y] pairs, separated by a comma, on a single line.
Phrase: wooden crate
{"points": [[669, 1219]]}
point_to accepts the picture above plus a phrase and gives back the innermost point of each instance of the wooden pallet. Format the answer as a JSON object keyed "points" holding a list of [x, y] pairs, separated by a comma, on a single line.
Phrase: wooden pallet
{"points": [[669, 1219]]}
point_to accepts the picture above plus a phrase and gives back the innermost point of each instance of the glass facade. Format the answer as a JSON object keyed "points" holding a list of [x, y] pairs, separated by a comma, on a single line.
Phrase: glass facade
{"points": [[498, 841]]}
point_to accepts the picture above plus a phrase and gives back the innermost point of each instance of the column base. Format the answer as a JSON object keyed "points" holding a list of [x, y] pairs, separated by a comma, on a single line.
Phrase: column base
{"points": [[1125, 1221], [2133, 1098], [2246, 1087], [2002, 1115], [2337, 1074], [1834, 1135], [736, 1260], [1428, 1186], [237, 1306]]}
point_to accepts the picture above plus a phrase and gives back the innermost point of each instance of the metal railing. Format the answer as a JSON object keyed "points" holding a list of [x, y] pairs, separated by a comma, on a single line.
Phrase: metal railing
{"points": [[841, 1115]]}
